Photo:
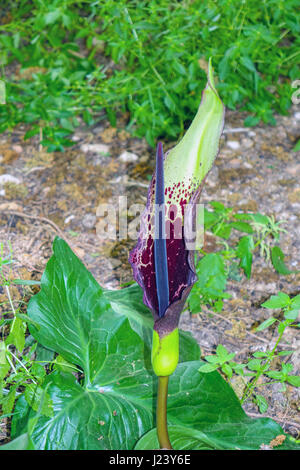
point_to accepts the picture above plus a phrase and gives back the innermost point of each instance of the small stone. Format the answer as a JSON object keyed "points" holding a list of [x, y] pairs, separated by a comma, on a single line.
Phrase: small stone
{"points": [[247, 143], [10, 206], [69, 218], [235, 162], [251, 134], [143, 159], [8, 179], [297, 116], [128, 157], [115, 262], [89, 221], [98, 129], [292, 170], [249, 206], [262, 287], [95, 148], [17, 148], [233, 144]]}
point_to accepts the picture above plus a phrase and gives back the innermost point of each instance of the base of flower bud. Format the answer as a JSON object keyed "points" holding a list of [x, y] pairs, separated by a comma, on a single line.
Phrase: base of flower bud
{"points": [[165, 353]]}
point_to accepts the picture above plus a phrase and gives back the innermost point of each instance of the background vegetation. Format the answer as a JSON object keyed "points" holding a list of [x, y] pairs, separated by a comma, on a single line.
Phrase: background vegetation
{"points": [[64, 60]]}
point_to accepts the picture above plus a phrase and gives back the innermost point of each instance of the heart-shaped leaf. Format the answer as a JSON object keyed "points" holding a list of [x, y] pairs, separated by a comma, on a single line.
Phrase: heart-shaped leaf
{"points": [[204, 413], [110, 403]]}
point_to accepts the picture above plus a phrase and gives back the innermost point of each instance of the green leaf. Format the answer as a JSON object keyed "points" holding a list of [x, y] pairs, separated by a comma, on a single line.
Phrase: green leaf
{"points": [[8, 401], [17, 334], [182, 438], [260, 353], [34, 394], [52, 16], [242, 227], [294, 380], [277, 257], [206, 404], [222, 230], [206, 368], [23, 282], [222, 351], [112, 406], [277, 301], [275, 374], [296, 301], [43, 354], [254, 364], [260, 218], [251, 121], [227, 370], [211, 276], [76, 321], [285, 353], [210, 219], [244, 253], [296, 148], [265, 324], [261, 403], [291, 314], [21, 442]]}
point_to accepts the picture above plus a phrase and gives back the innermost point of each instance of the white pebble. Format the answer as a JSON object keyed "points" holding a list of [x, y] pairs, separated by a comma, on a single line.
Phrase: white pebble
{"points": [[9, 179], [69, 218], [251, 134], [95, 148], [233, 144], [128, 157], [297, 116]]}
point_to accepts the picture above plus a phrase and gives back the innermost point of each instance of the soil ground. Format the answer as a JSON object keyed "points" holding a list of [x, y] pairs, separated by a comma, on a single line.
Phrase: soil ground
{"points": [[49, 194]]}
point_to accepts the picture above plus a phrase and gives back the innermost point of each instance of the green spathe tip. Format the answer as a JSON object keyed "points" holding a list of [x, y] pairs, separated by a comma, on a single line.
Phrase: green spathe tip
{"points": [[193, 156]]}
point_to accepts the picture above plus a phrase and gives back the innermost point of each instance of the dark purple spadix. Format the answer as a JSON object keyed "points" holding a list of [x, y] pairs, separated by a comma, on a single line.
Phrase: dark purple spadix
{"points": [[160, 245]]}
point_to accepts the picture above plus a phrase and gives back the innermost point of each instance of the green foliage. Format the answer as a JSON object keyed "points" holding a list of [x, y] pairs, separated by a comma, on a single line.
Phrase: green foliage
{"points": [[18, 369], [211, 284], [259, 364], [79, 58], [108, 402], [296, 148], [214, 269]]}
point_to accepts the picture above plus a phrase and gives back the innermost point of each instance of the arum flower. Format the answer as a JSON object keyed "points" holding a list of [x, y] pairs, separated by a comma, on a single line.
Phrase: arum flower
{"points": [[163, 261], [179, 177]]}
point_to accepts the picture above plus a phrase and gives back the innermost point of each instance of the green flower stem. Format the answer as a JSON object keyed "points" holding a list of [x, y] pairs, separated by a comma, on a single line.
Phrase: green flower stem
{"points": [[161, 413]]}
